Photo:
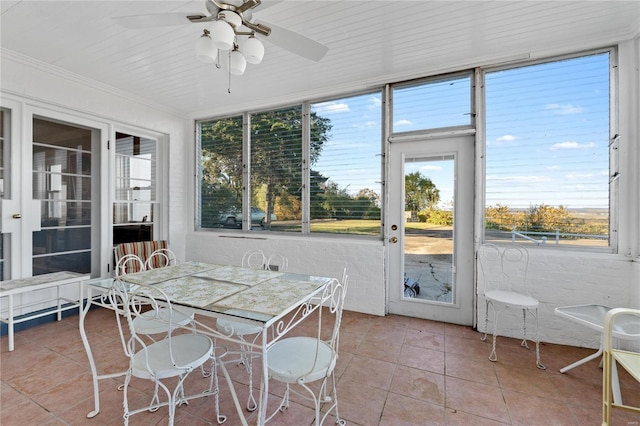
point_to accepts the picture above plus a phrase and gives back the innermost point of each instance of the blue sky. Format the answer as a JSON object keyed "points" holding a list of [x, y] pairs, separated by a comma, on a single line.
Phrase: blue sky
{"points": [[547, 133]]}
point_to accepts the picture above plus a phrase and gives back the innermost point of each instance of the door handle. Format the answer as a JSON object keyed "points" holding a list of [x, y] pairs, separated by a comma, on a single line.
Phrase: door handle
{"points": [[394, 240], [17, 216]]}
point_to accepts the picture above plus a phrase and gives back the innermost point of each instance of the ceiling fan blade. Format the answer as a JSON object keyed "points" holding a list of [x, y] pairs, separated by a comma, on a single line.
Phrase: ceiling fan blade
{"points": [[296, 43], [156, 20]]}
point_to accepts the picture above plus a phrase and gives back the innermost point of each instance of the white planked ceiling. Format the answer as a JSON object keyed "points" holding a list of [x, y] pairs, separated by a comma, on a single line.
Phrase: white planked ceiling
{"points": [[370, 43]]}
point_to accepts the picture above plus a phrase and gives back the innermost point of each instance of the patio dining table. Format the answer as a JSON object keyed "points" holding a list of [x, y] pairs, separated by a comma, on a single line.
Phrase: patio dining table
{"points": [[274, 300]]}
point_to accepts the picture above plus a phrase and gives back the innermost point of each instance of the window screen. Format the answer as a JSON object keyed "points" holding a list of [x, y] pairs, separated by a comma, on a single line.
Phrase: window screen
{"points": [[547, 152]]}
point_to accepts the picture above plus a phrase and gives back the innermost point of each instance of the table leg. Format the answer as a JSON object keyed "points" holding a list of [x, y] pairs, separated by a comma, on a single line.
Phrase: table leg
{"points": [[92, 364], [264, 385], [10, 323], [582, 361]]}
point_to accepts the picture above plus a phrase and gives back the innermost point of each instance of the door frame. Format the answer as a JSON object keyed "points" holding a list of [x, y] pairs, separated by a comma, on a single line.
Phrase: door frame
{"points": [[460, 144]]}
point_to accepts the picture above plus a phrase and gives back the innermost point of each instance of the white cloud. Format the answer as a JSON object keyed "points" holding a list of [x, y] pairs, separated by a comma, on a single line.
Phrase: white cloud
{"points": [[571, 145], [431, 168], [505, 139], [330, 107], [564, 109], [376, 101], [400, 123]]}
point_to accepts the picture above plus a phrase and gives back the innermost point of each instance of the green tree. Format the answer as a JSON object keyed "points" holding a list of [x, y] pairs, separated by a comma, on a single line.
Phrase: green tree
{"points": [[276, 150], [420, 192]]}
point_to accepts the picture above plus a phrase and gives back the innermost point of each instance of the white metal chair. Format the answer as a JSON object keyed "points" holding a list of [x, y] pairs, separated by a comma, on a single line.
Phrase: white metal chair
{"points": [[175, 356], [254, 259], [277, 262], [302, 360], [505, 286], [161, 258], [152, 323], [630, 361], [129, 263]]}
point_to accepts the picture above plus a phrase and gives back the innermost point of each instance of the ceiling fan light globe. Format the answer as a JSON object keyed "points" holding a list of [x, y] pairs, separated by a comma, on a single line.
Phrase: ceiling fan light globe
{"points": [[222, 35], [253, 50], [206, 50], [237, 63]]}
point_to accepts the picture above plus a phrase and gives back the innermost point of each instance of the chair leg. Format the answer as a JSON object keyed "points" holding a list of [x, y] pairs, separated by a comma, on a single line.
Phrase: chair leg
{"points": [[538, 363], [247, 360], [493, 356], [606, 390], [524, 343], [486, 320]]}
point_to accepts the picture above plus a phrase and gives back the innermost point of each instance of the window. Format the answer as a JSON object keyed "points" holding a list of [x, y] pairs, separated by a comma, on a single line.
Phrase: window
{"points": [[276, 169], [340, 158], [547, 152], [345, 189], [135, 206], [432, 104], [220, 173]]}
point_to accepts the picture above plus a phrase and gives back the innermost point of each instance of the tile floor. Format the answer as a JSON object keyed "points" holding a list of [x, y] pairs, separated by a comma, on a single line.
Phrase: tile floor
{"points": [[392, 371]]}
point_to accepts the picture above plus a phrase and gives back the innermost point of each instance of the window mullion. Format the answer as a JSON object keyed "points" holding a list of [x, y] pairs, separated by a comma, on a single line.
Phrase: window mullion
{"points": [[246, 171], [306, 180]]}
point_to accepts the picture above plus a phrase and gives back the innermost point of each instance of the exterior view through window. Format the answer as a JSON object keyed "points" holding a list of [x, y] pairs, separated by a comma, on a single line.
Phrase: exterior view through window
{"points": [[340, 158], [135, 207], [547, 153]]}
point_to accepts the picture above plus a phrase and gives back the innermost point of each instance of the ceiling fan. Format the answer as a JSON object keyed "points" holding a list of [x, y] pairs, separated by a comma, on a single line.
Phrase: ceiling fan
{"points": [[238, 14]]}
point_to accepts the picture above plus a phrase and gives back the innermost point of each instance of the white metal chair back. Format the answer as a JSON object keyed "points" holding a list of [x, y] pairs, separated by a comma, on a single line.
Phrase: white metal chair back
{"points": [[254, 259], [504, 269], [277, 262], [161, 258], [128, 264]]}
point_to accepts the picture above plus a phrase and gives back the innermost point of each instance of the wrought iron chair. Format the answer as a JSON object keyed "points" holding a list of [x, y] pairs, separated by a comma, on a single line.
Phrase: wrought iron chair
{"points": [[630, 361], [128, 264], [277, 262], [161, 258], [299, 361], [173, 357], [505, 286]]}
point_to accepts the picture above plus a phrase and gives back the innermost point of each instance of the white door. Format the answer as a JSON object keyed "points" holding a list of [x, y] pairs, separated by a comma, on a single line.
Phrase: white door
{"points": [[50, 186], [431, 262]]}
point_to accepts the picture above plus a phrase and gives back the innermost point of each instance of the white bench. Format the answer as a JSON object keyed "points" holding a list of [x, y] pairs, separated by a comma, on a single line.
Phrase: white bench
{"points": [[11, 288]]}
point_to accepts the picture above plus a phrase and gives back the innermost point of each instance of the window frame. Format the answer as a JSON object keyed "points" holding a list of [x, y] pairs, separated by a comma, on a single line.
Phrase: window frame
{"points": [[306, 167], [613, 189]]}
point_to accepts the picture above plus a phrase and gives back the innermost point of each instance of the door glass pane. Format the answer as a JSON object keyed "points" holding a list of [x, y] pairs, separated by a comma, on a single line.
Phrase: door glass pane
{"points": [[135, 182], [428, 230], [62, 184]]}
